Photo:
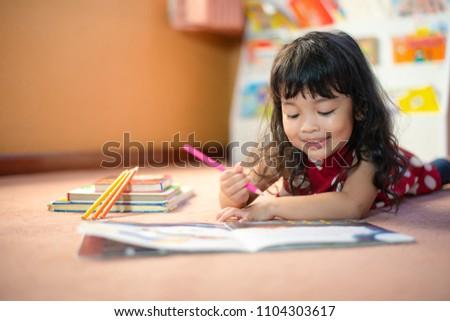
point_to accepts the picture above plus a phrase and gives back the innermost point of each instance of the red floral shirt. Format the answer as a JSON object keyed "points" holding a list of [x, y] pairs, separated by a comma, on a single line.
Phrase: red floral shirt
{"points": [[419, 178]]}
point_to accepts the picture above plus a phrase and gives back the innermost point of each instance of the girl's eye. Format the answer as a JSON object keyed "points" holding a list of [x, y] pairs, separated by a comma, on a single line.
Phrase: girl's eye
{"points": [[326, 113], [293, 116]]}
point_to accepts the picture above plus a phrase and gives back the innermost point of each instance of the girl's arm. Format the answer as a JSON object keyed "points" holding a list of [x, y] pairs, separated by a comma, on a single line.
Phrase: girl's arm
{"points": [[353, 202]]}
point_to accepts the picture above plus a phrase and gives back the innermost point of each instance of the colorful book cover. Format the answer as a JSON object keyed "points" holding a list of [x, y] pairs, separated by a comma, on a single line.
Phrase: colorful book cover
{"points": [[139, 183], [423, 45], [254, 99], [311, 13], [263, 16], [369, 47], [416, 100], [406, 8], [70, 206], [88, 193]]}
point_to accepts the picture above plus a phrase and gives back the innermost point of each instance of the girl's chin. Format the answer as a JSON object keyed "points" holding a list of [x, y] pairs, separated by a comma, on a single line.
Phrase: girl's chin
{"points": [[317, 157]]}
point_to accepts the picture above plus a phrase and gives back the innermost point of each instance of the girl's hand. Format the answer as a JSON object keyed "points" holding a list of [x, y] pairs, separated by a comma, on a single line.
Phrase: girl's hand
{"points": [[259, 211], [232, 185]]}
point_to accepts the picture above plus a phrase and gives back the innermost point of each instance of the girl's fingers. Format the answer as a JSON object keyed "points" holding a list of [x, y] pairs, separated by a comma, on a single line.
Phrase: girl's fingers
{"points": [[238, 168], [240, 197], [231, 171], [228, 173], [237, 187], [249, 216], [223, 212], [229, 213], [230, 181]]}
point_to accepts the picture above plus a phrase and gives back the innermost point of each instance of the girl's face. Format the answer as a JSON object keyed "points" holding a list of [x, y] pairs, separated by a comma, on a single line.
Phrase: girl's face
{"points": [[319, 126]]}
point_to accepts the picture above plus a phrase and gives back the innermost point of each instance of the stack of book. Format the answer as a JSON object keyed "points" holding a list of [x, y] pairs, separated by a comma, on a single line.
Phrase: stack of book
{"points": [[144, 194]]}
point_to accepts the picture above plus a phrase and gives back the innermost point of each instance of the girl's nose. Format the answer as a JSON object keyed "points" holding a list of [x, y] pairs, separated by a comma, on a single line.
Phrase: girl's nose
{"points": [[309, 125]]}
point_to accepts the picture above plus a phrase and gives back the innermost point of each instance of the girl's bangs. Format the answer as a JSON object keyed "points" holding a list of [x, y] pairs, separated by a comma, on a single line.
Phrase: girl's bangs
{"points": [[310, 76]]}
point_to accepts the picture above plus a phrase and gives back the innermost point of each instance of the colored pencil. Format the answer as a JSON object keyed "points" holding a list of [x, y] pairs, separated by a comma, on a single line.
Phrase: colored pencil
{"points": [[116, 194], [211, 162], [103, 196], [110, 195]]}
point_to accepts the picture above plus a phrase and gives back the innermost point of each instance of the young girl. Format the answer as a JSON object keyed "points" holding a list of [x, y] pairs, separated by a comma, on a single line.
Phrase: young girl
{"points": [[332, 141]]}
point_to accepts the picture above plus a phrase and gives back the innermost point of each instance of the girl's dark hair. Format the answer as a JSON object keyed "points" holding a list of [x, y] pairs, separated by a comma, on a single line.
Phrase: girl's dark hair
{"points": [[320, 63]]}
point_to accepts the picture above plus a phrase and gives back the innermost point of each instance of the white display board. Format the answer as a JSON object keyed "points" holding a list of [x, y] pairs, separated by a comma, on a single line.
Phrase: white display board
{"points": [[426, 133]]}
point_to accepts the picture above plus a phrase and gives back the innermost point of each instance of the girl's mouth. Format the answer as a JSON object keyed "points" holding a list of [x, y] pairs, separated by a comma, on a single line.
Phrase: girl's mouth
{"points": [[315, 143]]}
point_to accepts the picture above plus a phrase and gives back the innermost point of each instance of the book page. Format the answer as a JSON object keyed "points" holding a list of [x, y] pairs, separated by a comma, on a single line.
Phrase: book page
{"points": [[257, 238], [242, 237], [185, 238]]}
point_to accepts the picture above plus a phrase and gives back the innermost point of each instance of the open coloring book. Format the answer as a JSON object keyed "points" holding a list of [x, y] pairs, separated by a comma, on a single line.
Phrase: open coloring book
{"points": [[115, 238]]}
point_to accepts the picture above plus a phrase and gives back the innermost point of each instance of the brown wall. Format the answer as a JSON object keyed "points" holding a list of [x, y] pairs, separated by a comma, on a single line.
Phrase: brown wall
{"points": [[77, 73]]}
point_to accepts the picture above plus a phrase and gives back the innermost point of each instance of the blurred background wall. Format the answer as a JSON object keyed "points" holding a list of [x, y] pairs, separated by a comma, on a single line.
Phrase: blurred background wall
{"points": [[77, 73]]}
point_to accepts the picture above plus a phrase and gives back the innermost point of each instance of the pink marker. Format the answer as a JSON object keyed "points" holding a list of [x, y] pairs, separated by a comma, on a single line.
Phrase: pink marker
{"points": [[211, 162]]}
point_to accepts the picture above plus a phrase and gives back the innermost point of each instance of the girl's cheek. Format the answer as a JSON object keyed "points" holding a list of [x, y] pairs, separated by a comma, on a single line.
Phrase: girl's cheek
{"points": [[286, 127], [289, 131]]}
